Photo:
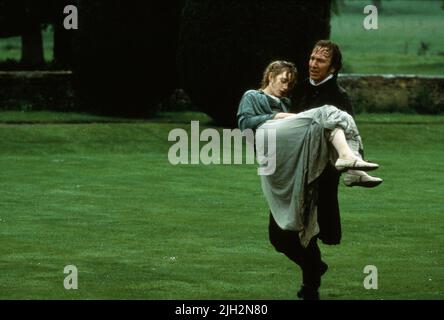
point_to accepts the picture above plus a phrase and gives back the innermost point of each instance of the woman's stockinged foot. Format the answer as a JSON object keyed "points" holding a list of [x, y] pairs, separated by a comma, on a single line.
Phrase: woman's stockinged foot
{"points": [[354, 178], [354, 163]]}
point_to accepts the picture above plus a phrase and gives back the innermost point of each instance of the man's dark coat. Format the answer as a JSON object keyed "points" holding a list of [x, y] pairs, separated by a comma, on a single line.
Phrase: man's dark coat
{"points": [[307, 97]]}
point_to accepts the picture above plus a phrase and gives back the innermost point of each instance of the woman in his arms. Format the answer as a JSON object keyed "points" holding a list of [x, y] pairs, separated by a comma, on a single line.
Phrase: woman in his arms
{"points": [[306, 144]]}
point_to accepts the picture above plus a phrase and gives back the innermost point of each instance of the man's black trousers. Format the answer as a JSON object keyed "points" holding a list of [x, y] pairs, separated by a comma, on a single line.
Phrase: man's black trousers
{"points": [[309, 259]]}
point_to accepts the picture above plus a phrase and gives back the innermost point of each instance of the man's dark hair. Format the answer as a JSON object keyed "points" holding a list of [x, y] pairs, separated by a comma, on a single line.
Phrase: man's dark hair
{"points": [[333, 49]]}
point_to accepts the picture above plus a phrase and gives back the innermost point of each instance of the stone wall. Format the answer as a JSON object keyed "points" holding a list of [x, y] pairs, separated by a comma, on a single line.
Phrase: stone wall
{"points": [[395, 93], [53, 90], [36, 90]]}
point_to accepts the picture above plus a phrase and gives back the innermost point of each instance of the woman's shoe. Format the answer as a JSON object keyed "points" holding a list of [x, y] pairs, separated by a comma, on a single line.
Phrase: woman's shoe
{"points": [[366, 181], [355, 164]]}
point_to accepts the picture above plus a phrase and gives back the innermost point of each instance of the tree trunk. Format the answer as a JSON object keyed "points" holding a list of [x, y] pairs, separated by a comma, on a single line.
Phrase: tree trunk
{"points": [[32, 45]]}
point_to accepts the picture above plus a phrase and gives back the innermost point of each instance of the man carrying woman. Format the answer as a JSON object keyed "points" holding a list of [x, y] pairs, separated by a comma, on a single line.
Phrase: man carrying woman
{"points": [[313, 148]]}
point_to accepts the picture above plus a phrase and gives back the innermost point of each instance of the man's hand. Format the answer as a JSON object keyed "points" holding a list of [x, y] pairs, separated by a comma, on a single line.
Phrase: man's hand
{"points": [[282, 115]]}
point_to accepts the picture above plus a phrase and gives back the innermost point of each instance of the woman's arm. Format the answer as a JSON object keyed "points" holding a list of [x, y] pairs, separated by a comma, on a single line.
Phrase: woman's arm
{"points": [[251, 114], [251, 121]]}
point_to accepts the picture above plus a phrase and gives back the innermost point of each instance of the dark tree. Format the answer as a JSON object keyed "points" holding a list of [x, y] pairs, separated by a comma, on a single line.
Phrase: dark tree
{"points": [[125, 55], [224, 46], [11, 15], [20, 17], [25, 18], [32, 41], [63, 39]]}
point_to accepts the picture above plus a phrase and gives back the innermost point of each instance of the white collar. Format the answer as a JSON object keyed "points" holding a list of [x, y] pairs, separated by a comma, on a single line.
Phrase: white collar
{"points": [[323, 81]]}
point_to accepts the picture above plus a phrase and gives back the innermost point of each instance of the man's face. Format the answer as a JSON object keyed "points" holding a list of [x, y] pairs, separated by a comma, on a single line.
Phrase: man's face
{"points": [[281, 84], [319, 65]]}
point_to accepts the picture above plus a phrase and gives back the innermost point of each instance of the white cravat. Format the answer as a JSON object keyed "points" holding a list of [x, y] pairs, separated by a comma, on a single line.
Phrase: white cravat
{"points": [[323, 81]]}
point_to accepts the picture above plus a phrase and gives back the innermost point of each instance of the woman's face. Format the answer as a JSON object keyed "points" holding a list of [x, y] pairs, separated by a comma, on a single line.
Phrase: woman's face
{"points": [[280, 85]]}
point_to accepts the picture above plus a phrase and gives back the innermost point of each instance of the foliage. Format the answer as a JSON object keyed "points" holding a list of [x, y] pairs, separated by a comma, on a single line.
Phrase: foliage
{"points": [[423, 103], [224, 46], [125, 55]]}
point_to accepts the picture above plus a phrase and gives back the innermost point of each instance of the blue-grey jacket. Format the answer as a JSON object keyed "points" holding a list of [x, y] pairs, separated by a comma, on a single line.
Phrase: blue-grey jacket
{"points": [[256, 107]]}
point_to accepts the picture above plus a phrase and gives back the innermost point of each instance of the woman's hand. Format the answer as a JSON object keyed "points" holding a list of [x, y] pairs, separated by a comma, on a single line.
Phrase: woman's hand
{"points": [[283, 115]]}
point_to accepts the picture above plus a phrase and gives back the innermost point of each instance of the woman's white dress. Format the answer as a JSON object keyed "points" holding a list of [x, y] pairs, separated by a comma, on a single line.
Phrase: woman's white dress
{"points": [[302, 151]]}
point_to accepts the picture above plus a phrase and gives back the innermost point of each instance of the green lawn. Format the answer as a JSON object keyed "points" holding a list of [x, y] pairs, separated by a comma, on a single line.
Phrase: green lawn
{"points": [[103, 197], [393, 47], [10, 48]]}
